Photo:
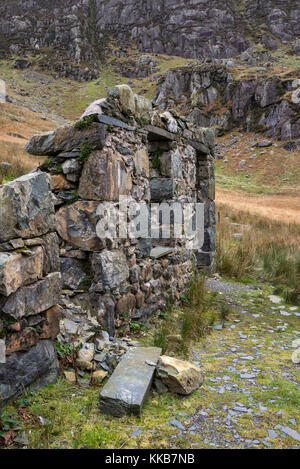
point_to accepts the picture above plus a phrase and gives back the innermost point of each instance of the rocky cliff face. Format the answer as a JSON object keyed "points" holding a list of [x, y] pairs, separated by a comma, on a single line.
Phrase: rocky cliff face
{"points": [[210, 95], [77, 31]]}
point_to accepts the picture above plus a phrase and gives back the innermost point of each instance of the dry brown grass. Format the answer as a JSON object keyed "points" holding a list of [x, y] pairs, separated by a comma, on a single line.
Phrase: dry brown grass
{"points": [[268, 251], [21, 162], [15, 123], [283, 208]]}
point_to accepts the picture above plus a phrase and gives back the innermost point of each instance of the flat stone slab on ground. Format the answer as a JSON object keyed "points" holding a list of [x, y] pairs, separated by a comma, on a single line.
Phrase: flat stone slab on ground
{"points": [[127, 389]]}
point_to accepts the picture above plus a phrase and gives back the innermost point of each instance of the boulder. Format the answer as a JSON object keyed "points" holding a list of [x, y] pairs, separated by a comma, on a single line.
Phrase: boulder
{"points": [[94, 108], [33, 299], [21, 341], [66, 139], [38, 367], [110, 268], [72, 273], [26, 207], [70, 376], [17, 269], [99, 376], [143, 108], [86, 352], [50, 327], [76, 224], [125, 96], [179, 376], [161, 189], [141, 161], [104, 177], [50, 245]]}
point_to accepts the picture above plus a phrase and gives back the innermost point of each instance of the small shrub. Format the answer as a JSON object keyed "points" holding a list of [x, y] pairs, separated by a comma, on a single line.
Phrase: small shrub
{"points": [[8, 420], [84, 123], [85, 152]]}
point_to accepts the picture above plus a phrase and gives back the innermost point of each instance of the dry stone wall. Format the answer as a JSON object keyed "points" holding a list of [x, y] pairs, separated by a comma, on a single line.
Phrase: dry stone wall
{"points": [[124, 147], [30, 285], [63, 274]]}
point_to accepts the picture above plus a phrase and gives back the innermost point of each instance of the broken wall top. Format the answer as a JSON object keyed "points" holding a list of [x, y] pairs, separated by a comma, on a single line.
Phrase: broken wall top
{"points": [[126, 110]]}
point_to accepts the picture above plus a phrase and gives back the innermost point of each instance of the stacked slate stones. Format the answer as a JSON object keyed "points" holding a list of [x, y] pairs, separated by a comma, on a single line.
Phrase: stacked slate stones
{"points": [[30, 285], [124, 147]]}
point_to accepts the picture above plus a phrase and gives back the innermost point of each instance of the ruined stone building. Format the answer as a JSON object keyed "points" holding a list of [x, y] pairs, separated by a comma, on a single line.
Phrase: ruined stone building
{"points": [[55, 247]]}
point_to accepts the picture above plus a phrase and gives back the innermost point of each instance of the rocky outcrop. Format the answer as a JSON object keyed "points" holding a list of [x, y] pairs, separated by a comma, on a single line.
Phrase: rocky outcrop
{"points": [[30, 285], [210, 95], [74, 34]]}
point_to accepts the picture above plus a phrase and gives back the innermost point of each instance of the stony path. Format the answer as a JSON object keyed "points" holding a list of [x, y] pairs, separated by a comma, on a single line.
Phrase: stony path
{"points": [[252, 396]]}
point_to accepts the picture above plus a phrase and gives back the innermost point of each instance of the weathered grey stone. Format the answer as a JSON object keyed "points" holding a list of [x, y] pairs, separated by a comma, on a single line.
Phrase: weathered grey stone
{"points": [[71, 166], [2, 351], [125, 96], [38, 367], [43, 144], [161, 189], [76, 224], [291, 432], [87, 352], [111, 268], [17, 270], [171, 165], [141, 161], [33, 299], [104, 177], [12, 244], [26, 207], [113, 122], [160, 251], [94, 108], [127, 389], [66, 139], [50, 245], [200, 147], [179, 376], [142, 108], [157, 134], [72, 273]]}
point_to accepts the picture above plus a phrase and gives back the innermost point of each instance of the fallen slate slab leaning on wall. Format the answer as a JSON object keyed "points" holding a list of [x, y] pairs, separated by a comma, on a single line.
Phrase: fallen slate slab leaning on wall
{"points": [[127, 389]]}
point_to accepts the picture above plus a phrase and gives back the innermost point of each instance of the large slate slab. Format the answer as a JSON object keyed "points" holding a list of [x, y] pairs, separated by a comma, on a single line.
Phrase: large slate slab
{"points": [[160, 251], [200, 147], [157, 134], [103, 119], [127, 389], [66, 139]]}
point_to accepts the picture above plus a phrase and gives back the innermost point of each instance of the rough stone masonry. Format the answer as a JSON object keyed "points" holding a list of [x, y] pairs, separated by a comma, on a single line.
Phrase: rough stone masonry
{"points": [[30, 285], [122, 146]]}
